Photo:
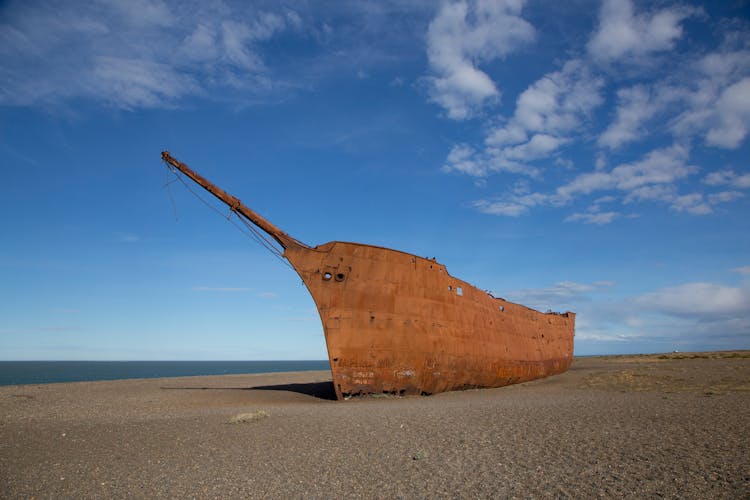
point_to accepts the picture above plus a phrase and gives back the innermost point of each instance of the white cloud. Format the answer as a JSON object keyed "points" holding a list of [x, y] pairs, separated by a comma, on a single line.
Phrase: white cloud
{"points": [[465, 159], [652, 192], [742, 181], [512, 205], [724, 197], [651, 178], [595, 217], [727, 177], [655, 177], [512, 133], [732, 116], [594, 213], [201, 44], [585, 184], [635, 106], [624, 34], [506, 208], [554, 105], [659, 167], [742, 270], [235, 36], [713, 314], [561, 296], [714, 101], [135, 83], [462, 158], [698, 299], [237, 39], [692, 203], [539, 146], [565, 163], [142, 12], [140, 54], [546, 114], [605, 199], [460, 36], [719, 178]]}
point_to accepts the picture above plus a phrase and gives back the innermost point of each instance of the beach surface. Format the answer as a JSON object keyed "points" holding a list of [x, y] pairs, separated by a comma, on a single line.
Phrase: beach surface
{"points": [[673, 425]]}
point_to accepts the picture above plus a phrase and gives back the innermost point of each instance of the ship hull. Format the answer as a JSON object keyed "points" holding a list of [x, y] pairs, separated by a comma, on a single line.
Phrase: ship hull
{"points": [[401, 324]]}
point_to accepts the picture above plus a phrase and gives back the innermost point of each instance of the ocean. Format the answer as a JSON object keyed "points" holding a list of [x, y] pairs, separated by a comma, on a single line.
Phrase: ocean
{"points": [[47, 372]]}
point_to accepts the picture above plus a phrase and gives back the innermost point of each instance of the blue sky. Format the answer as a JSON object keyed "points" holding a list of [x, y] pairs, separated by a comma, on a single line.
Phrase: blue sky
{"points": [[584, 155]]}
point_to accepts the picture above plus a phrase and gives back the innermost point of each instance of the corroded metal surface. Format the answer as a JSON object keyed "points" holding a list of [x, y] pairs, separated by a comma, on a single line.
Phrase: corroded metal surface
{"points": [[398, 323]]}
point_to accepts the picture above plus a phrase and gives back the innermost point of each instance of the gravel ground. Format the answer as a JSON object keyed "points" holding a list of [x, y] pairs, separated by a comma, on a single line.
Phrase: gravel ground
{"points": [[636, 426]]}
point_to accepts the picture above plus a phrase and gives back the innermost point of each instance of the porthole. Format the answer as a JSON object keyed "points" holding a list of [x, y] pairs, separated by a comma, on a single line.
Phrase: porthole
{"points": [[327, 276], [340, 276]]}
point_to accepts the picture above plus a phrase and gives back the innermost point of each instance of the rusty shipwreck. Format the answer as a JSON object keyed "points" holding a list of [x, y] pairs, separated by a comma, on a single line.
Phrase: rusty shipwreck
{"points": [[401, 324]]}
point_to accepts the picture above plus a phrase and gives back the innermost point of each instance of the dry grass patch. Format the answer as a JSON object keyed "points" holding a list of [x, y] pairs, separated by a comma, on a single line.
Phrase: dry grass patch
{"points": [[710, 373], [242, 418], [635, 381], [707, 355], [672, 356]]}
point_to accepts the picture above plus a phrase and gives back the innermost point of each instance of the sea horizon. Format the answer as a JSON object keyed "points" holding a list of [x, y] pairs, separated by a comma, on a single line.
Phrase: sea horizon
{"points": [[50, 372], [59, 371]]}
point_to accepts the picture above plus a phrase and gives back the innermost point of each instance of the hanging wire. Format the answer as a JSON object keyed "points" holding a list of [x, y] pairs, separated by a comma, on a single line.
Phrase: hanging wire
{"points": [[169, 181], [253, 233]]}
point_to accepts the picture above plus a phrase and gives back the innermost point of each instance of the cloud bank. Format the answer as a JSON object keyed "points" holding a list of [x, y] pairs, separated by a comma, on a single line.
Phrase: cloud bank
{"points": [[133, 55], [666, 103]]}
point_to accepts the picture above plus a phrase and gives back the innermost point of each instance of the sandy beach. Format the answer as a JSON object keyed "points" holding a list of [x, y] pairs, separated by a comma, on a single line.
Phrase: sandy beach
{"points": [[671, 425]]}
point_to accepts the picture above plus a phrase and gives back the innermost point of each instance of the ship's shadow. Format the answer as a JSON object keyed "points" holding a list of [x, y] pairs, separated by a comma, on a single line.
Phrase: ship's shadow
{"points": [[319, 390]]}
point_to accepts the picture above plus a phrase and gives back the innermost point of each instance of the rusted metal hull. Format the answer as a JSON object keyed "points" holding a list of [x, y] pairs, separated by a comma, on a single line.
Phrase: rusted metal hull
{"points": [[398, 323]]}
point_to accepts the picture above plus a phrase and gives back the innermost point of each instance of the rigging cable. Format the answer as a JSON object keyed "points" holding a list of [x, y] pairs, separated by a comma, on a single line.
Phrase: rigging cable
{"points": [[254, 233], [169, 181]]}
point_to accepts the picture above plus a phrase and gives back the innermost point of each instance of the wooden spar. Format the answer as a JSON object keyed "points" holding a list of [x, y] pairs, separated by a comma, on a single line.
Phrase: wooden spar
{"points": [[234, 203]]}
